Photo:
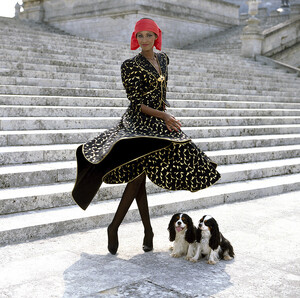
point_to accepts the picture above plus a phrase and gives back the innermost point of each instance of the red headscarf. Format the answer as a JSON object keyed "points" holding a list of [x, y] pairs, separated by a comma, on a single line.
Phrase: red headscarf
{"points": [[145, 25]]}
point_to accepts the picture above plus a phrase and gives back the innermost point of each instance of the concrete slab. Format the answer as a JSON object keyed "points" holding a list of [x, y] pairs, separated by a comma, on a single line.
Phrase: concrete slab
{"points": [[263, 233]]}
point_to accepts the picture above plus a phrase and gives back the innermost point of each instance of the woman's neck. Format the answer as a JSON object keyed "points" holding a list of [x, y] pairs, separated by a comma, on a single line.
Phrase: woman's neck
{"points": [[148, 54]]}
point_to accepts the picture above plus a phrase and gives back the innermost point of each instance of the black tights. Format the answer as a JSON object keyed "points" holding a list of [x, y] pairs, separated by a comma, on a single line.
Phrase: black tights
{"points": [[135, 189]]}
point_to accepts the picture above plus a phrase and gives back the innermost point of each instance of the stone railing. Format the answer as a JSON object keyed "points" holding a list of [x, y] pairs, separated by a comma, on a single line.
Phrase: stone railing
{"points": [[280, 37], [278, 64], [270, 41]]}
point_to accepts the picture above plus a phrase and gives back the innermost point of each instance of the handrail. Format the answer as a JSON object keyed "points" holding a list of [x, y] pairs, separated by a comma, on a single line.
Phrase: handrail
{"points": [[278, 64]]}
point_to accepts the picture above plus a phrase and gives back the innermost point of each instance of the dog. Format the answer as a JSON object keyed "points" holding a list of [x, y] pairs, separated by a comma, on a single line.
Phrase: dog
{"points": [[183, 232], [211, 243]]}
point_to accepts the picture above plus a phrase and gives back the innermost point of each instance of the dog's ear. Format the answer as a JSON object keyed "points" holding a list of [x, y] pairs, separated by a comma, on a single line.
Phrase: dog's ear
{"points": [[214, 240], [190, 235], [171, 228]]}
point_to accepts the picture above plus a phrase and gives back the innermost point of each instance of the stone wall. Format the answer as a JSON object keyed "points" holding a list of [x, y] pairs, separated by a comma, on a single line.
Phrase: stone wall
{"points": [[281, 37], [182, 21]]}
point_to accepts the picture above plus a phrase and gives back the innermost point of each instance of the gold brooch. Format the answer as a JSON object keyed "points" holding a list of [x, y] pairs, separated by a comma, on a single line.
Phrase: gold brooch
{"points": [[161, 78]]}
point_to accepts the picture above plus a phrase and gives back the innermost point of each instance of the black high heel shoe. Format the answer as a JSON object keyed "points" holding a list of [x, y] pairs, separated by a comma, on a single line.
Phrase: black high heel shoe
{"points": [[113, 242], [148, 243]]}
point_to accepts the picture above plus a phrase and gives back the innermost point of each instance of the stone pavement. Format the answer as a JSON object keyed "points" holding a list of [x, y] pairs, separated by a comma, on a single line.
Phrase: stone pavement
{"points": [[264, 233]]}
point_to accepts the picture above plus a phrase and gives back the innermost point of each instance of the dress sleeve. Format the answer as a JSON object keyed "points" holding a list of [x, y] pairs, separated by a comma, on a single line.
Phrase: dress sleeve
{"points": [[167, 58], [132, 84]]}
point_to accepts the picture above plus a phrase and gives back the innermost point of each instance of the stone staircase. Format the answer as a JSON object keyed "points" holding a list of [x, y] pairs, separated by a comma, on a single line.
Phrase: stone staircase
{"points": [[225, 42], [57, 91]]}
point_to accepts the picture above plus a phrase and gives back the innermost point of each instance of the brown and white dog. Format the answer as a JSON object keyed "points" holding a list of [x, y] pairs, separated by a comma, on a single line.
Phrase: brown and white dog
{"points": [[211, 243], [183, 232]]}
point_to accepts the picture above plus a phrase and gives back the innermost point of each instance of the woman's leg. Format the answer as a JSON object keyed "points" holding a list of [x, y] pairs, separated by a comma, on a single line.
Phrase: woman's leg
{"points": [[129, 194], [142, 203]]}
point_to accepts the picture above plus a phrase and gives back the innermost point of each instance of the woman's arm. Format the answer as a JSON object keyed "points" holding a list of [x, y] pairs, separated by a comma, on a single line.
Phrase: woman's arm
{"points": [[170, 120]]}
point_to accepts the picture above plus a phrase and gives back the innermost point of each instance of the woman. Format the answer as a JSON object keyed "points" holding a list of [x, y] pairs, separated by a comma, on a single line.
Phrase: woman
{"points": [[147, 141]]}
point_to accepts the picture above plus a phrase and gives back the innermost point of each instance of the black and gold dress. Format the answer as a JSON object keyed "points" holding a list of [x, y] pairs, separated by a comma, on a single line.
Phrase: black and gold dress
{"points": [[142, 143]]}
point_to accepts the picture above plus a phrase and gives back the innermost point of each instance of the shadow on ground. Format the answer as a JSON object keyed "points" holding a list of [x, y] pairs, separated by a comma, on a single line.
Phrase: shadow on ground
{"points": [[153, 274]]}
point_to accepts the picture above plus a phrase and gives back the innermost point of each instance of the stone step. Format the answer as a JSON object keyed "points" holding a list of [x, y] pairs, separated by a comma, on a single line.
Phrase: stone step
{"points": [[68, 111], [236, 97], [239, 154], [46, 63], [53, 66], [56, 91], [86, 54], [30, 198], [42, 37], [103, 81], [13, 27], [250, 155], [11, 67], [247, 81], [285, 78], [10, 74], [239, 142], [113, 55], [29, 36], [46, 173], [182, 91], [116, 84], [60, 50], [36, 154], [112, 65], [46, 47], [236, 90], [109, 76], [39, 224], [49, 137], [50, 123], [203, 101], [36, 100], [98, 69], [217, 69], [205, 79], [36, 36], [63, 152], [71, 45]]}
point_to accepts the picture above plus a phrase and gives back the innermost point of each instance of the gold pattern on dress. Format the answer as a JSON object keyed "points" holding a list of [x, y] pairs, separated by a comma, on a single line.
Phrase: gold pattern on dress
{"points": [[161, 78], [179, 164]]}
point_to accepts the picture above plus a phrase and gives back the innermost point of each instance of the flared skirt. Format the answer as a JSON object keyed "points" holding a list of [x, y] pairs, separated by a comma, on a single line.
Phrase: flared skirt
{"points": [[117, 156]]}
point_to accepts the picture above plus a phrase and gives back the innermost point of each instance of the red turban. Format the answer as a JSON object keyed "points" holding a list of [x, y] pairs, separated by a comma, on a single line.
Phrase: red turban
{"points": [[145, 25]]}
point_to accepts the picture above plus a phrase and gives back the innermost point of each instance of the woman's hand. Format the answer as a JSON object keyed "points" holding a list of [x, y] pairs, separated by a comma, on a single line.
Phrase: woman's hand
{"points": [[171, 122]]}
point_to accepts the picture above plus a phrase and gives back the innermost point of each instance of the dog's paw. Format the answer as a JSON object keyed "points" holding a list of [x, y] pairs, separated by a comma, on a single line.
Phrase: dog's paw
{"points": [[211, 262], [227, 258], [194, 260], [175, 255], [188, 258]]}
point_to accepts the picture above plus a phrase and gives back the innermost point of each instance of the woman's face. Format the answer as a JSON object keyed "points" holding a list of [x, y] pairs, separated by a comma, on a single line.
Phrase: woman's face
{"points": [[146, 39]]}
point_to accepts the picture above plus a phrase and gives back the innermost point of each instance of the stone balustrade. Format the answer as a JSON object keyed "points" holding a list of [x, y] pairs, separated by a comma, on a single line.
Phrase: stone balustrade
{"points": [[272, 40], [280, 37]]}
